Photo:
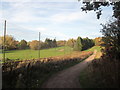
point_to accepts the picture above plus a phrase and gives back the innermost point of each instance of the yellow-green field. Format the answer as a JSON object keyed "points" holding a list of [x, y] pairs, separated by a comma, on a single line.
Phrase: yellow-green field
{"points": [[33, 54]]}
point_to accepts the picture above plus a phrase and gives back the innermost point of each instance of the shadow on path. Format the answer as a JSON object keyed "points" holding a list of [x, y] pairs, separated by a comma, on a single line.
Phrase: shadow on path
{"points": [[68, 78]]}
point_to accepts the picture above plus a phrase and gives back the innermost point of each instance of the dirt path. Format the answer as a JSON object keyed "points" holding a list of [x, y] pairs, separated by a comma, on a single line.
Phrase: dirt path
{"points": [[68, 78]]}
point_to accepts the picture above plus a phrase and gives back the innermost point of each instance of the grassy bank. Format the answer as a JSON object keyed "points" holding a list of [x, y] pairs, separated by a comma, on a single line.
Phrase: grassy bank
{"points": [[93, 48], [101, 73], [85, 78], [98, 54]]}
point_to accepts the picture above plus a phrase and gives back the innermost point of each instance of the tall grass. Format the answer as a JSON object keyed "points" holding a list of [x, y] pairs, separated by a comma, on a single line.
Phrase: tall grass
{"points": [[101, 73]]}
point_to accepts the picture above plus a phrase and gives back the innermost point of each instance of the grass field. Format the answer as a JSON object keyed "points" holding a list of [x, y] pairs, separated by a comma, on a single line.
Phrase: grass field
{"points": [[33, 54], [93, 48]]}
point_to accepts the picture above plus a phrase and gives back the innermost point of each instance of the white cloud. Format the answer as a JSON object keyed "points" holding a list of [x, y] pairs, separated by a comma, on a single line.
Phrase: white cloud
{"points": [[74, 16], [68, 17], [41, 29], [22, 17], [20, 11], [38, 17], [51, 33], [60, 36], [40, 0], [16, 1]]}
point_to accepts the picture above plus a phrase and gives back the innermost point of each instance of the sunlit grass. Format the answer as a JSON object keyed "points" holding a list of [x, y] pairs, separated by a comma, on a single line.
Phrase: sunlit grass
{"points": [[98, 48], [33, 54], [45, 53], [99, 53]]}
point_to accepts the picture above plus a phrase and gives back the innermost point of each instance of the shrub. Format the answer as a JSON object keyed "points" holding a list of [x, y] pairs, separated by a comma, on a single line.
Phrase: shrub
{"points": [[34, 45]]}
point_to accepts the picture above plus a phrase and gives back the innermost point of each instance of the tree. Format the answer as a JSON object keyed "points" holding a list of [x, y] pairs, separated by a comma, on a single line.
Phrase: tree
{"points": [[10, 42], [98, 41], [111, 31], [96, 6], [111, 39], [78, 45], [49, 43], [110, 59], [87, 43], [34, 45], [71, 42], [22, 44], [61, 43], [54, 43]]}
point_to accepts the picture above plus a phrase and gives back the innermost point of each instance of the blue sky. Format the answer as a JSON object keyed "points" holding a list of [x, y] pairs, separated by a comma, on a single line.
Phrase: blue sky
{"points": [[53, 18]]}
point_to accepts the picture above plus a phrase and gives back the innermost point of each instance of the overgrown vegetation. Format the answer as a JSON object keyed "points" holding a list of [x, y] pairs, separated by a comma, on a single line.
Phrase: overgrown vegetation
{"points": [[104, 72], [98, 41], [32, 73]]}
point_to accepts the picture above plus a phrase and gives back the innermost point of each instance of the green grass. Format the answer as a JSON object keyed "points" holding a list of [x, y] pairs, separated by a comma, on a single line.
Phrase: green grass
{"points": [[36, 74], [93, 48], [98, 54], [43, 71], [87, 80], [33, 54]]}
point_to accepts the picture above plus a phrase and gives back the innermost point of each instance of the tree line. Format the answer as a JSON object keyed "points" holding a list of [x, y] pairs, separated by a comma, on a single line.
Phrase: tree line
{"points": [[78, 44], [81, 43], [12, 44]]}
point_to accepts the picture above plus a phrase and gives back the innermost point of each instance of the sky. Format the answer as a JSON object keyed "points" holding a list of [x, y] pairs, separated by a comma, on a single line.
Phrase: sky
{"points": [[60, 19]]}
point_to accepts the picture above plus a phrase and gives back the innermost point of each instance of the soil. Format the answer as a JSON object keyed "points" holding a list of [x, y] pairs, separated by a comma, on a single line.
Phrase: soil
{"points": [[68, 78]]}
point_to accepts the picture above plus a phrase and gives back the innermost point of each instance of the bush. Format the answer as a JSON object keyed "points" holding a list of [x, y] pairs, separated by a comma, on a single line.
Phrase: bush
{"points": [[34, 45], [22, 44], [83, 44], [10, 42]]}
